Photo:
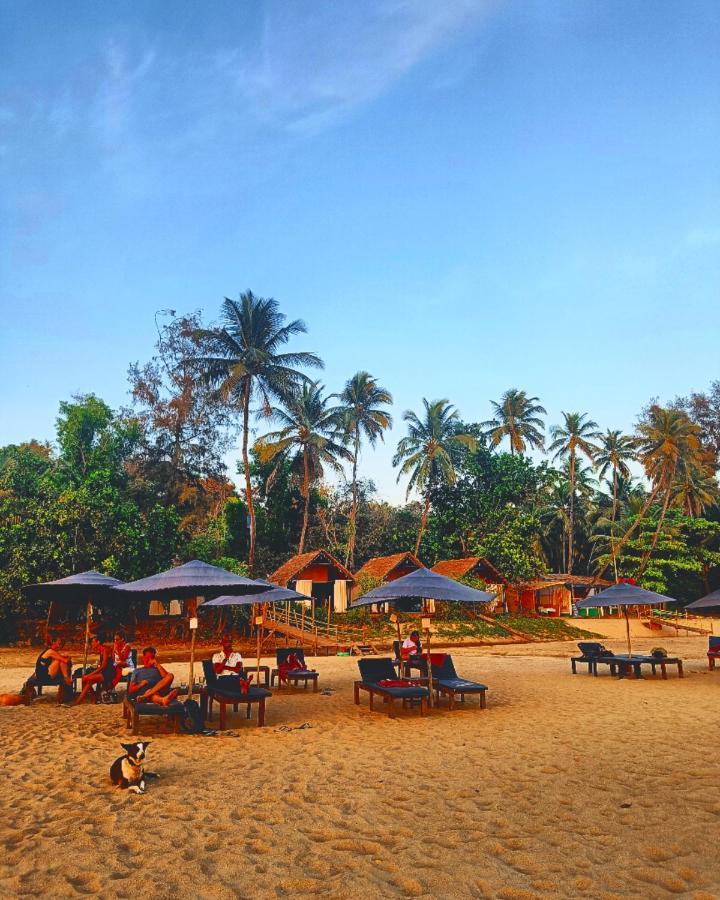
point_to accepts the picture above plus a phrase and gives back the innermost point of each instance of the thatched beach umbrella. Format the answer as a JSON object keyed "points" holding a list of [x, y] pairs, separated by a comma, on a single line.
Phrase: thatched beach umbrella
{"points": [[423, 584], [707, 603], [89, 586], [624, 595], [192, 581]]}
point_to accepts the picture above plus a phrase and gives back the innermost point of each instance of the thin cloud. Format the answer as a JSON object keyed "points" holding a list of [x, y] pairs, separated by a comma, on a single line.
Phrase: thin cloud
{"points": [[310, 70]]}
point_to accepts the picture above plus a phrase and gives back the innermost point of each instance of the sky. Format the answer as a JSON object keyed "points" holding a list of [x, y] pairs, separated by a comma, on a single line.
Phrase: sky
{"points": [[458, 197]]}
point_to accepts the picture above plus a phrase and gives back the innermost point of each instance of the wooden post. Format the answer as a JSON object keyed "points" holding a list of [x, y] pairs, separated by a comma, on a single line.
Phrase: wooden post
{"points": [[627, 628], [193, 623], [88, 616], [259, 620], [429, 666], [316, 641]]}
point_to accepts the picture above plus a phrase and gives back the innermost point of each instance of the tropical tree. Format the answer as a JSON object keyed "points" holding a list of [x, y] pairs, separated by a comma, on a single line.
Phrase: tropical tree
{"points": [[244, 361], [575, 435], [517, 417], [669, 446], [426, 453], [362, 415], [616, 451], [309, 437]]}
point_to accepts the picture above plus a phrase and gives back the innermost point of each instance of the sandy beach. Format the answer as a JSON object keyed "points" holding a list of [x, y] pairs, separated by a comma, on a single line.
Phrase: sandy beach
{"points": [[564, 787]]}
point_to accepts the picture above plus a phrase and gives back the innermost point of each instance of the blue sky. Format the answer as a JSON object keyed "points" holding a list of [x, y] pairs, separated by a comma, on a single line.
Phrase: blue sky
{"points": [[459, 197]]}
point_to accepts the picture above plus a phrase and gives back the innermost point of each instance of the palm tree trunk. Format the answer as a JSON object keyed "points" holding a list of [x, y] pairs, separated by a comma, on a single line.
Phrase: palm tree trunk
{"points": [[646, 556], [423, 523], [350, 553], [306, 492], [248, 483], [612, 523], [571, 528]]}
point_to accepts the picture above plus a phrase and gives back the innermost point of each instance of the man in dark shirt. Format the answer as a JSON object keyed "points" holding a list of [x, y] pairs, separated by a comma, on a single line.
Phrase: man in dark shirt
{"points": [[150, 682]]}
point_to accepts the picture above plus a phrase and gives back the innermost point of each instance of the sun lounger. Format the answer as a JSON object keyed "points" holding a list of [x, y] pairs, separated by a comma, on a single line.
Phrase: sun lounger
{"points": [[226, 695], [373, 672], [713, 651], [447, 681], [133, 710], [305, 675], [593, 653]]}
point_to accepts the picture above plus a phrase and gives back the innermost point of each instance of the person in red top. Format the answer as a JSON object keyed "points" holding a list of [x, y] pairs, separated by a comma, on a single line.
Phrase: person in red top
{"points": [[104, 672]]}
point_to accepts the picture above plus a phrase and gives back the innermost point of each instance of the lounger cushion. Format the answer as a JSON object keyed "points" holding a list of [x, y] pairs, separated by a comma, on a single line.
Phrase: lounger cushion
{"points": [[301, 673], [154, 709], [252, 693], [461, 686], [416, 692]]}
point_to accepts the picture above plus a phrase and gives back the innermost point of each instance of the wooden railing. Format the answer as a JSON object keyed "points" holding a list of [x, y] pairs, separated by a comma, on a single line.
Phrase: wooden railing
{"points": [[316, 628]]}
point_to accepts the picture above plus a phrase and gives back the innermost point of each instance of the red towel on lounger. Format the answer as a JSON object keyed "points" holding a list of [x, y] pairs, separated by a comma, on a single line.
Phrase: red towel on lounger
{"points": [[397, 683]]}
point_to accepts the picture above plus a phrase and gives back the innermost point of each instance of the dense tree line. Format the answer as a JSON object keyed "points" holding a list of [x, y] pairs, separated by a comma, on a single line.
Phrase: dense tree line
{"points": [[130, 490]]}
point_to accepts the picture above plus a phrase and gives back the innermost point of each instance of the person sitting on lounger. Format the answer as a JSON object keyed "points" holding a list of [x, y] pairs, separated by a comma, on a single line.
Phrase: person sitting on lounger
{"points": [[288, 666], [56, 664], [104, 672], [150, 682], [411, 650], [228, 663], [122, 657]]}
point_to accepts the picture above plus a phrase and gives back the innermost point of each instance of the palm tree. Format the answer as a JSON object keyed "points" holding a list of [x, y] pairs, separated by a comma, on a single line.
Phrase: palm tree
{"points": [[616, 450], [517, 417], [361, 413], [574, 436], [244, 361], [668, 443], [426, 453], [669, 446], [309, 437]]}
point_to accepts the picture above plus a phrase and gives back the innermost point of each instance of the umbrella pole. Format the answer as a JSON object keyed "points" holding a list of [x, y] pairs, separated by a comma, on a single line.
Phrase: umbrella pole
{"points": [[627, 629], [429, 669], [88, 616], [191, 676], [259, 633]]}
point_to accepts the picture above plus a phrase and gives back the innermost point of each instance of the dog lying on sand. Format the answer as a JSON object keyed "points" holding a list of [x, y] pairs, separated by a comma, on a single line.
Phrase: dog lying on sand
{"points": [[23, 698], [128, 771]]}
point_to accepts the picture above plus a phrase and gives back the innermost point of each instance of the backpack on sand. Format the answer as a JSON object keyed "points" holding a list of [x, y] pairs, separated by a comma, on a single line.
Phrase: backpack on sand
{"points": [[192, 720]]}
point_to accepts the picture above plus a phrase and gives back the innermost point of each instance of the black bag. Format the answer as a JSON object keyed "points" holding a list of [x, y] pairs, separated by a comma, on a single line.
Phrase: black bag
{"points": [[192, 720]]}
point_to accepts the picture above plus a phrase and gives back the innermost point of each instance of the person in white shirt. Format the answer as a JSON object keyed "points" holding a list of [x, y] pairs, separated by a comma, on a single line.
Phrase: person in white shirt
{"points": [[411, 644], [227, 662]]}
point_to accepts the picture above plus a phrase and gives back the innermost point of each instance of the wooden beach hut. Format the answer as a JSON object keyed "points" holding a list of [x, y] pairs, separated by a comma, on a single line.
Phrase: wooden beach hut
{"points": [[388, 568], [317, 575]]}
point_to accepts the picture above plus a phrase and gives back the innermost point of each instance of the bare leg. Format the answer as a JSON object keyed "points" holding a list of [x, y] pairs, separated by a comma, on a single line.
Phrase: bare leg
{"points": [[164, 700], [56, 667], [88, 683], [156, 689]]}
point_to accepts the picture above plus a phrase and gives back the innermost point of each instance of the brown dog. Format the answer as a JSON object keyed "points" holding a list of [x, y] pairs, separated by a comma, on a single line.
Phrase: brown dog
{"points": [[25, 697]]}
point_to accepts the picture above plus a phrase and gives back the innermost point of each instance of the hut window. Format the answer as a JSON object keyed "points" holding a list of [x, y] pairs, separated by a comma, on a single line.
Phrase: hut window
{"points": [[157, 608], [175, 608]]}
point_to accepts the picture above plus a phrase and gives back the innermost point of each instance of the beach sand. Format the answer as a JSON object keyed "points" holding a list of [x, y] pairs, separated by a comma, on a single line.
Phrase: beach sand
{"points": [[564, 787]]}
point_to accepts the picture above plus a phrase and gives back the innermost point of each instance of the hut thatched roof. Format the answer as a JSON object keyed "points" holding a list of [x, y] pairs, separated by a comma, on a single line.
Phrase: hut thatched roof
{"points": [[289, 570], [457, 568], [382, 566]]}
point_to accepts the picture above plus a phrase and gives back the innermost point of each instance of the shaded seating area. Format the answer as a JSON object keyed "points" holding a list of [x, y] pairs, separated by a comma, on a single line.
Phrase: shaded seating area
{"points": [[592, 654], [133, 711], [226, 692], [283, 657], [379, 678], [713, 653], [447, 681]]}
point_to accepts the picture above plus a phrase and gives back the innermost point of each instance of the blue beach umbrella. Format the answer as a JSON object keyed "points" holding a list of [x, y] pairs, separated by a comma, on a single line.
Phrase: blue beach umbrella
{"points": [[624, 595]]}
